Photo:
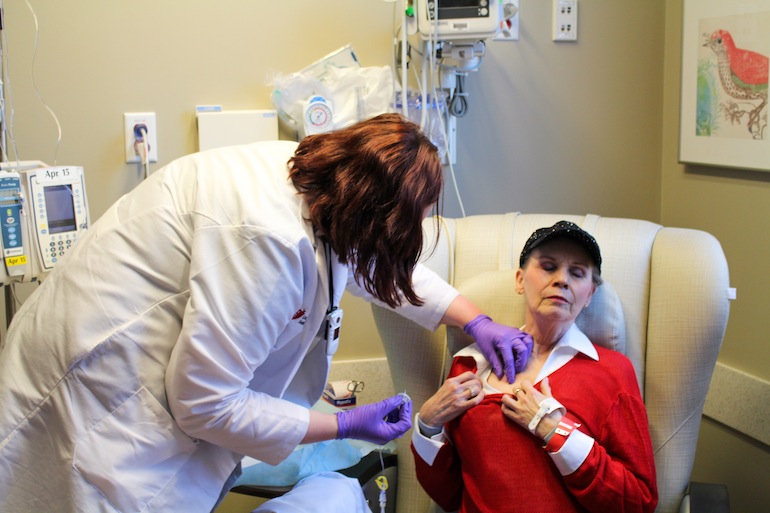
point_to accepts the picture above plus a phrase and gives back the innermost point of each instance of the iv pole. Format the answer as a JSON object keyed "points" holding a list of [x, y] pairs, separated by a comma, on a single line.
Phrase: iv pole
{"points": [[3, 147], [8, 295], [10, 306]]}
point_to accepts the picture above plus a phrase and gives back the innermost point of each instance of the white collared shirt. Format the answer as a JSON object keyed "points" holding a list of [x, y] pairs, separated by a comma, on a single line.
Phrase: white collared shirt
{"points": [[578, 445]]}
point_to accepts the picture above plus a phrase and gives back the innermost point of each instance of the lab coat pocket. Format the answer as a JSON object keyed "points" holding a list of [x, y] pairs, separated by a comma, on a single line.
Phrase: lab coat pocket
{"points": [[133, 453]]}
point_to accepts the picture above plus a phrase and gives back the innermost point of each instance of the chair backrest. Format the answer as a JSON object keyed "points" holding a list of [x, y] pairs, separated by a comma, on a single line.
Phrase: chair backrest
{"points": [[664, 304]]}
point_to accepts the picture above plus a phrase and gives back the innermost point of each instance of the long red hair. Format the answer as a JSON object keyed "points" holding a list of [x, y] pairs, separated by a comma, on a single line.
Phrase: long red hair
{"points": [[368, 187]]}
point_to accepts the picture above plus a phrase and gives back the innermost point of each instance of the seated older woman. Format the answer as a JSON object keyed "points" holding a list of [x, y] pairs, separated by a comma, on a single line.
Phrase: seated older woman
{"points": [[570, 433]]}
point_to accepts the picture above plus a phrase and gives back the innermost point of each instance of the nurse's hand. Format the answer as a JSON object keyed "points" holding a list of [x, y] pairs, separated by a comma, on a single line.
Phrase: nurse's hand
{"points": [[369, 422], [506, 348]]}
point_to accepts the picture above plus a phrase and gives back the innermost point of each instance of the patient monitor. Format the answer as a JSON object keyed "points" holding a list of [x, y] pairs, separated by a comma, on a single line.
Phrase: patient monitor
{"points": [[451, 20], [44, 210]]}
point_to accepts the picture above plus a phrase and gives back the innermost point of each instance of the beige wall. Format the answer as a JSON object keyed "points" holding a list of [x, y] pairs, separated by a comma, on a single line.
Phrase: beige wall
{"points": [[731, 204], [96, 60], [568, 128], [734, 206]]}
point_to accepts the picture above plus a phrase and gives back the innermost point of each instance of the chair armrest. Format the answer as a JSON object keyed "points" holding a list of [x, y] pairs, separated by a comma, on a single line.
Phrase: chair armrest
{"points": [[706, 498]]}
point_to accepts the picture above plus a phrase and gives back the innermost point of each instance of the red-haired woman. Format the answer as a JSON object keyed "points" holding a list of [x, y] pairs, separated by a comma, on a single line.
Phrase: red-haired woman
{"points": [[194, 323]]}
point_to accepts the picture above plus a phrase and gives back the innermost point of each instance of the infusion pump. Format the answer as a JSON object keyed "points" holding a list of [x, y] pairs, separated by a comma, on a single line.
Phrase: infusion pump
{"points": [[43, 210]]}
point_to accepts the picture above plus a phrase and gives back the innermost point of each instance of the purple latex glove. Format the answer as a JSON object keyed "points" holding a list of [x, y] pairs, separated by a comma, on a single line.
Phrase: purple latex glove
{"points": [[369, 423], [498, 341]]}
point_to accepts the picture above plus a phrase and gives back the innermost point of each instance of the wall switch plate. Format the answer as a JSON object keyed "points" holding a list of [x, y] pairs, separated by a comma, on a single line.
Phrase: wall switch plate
{"points": [[509, 21], [565, 20], [132, 123]]}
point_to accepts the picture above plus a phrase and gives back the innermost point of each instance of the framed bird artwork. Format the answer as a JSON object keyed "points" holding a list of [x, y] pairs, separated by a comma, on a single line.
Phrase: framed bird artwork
{"points": [[724, 108]]}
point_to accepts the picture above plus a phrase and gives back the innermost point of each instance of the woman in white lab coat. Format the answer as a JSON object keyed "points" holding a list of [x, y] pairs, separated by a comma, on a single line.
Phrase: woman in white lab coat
{"points": [[186, 329]]}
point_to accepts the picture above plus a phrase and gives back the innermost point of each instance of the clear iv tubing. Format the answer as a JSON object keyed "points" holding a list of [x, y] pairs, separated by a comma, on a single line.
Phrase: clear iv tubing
{"points": [[423, 80], [382, 484], [37, 91], [429, 53], [7, 126], [404, 78], [433, 68], [430, 45], [382, 480]]}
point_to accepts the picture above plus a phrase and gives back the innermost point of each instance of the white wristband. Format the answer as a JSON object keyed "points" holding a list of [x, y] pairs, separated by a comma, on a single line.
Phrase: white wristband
{"points": [[547, 405]]}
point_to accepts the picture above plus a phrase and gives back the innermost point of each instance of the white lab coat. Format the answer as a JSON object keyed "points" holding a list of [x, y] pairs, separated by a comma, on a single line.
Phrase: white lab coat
{"points": [[178, 336]]}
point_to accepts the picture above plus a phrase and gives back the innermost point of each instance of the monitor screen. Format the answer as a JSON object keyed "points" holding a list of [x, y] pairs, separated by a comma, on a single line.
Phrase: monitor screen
{"points": [[59, 208], [443, 4], [459, 9]]}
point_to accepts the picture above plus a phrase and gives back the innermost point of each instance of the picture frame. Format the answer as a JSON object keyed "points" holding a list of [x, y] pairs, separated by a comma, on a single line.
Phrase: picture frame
{"points": [[724, 84]]}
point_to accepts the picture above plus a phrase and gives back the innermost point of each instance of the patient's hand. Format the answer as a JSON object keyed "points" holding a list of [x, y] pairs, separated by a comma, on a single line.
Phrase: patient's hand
{"points": [[455, 396], [522, 406]]}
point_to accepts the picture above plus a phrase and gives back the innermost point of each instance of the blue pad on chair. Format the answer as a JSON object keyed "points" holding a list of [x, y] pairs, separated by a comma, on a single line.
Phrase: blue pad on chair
{"points": [[304, 461]]}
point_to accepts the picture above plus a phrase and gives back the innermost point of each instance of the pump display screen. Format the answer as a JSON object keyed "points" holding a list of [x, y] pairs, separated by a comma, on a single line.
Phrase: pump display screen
{"points": [[453, 4], [59, 208], [455, 9]]}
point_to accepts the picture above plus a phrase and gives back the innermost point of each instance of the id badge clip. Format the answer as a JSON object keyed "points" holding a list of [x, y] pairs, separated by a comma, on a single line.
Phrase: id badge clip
{"points": [[333, 324]]}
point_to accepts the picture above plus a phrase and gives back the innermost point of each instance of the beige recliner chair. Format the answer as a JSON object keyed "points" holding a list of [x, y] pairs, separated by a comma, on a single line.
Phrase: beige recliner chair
{"points": [[665, 304]]}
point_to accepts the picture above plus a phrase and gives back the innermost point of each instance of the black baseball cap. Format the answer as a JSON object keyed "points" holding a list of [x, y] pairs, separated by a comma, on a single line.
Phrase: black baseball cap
{"points": [[563, 229]]}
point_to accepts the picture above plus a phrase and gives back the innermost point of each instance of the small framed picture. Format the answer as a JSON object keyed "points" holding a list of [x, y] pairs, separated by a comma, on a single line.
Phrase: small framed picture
{"points": [[725, 50]]}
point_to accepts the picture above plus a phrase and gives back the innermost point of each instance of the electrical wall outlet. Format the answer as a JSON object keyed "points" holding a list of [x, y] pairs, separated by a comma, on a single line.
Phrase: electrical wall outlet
{"points": [[133, 123], [565, 20], [509, 21]]}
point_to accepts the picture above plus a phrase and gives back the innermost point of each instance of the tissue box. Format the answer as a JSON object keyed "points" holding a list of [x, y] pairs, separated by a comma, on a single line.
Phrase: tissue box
{"points": [[339, 394]]}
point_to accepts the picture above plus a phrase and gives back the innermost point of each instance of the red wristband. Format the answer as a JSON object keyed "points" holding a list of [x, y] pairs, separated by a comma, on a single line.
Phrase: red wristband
{"points": [[563, 430]]}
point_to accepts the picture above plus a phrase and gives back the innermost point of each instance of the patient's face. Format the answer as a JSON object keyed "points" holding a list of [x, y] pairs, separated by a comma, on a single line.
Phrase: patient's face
{"points": [[557, 280]]}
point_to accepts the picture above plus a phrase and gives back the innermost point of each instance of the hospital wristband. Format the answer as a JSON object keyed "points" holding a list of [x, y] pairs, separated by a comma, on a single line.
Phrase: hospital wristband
{"points": [[549, 435], [560, 434], [547, 405]]}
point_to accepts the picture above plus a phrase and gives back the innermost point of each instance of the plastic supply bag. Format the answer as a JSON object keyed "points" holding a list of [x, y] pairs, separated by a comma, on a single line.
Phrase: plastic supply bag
{"points": [[355, 93]]}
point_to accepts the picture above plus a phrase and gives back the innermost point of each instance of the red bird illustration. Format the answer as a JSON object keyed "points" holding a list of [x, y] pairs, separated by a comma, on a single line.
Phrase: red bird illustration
{"points": [[743, 73]]}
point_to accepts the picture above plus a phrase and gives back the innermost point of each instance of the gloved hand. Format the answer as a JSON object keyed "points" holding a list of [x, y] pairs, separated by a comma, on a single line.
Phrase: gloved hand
{"points": [[498, 341], [369, 422]]}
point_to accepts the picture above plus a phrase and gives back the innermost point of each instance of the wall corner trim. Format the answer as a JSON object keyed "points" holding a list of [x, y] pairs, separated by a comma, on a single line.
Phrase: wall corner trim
{"points": [[740, 401]]}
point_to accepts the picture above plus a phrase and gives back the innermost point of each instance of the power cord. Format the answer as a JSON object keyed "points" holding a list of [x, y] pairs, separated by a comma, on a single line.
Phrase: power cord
{"points": [[458, 102], [142, 147]]}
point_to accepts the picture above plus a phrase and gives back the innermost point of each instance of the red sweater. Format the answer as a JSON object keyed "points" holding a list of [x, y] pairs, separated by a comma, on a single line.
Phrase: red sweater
{"points": [[493, 465]]}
